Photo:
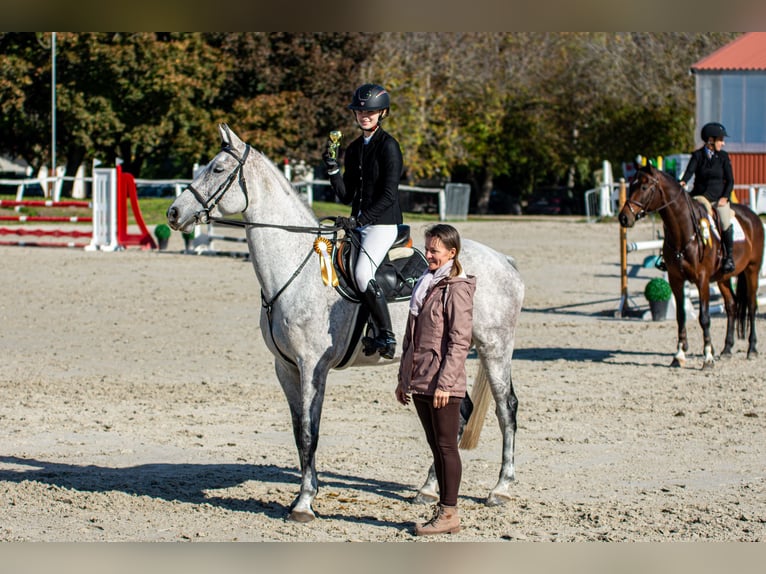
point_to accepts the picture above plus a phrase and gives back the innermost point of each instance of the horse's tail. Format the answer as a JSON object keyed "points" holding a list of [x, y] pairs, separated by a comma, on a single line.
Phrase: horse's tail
{"points": [[481, 399], [741, 300]]}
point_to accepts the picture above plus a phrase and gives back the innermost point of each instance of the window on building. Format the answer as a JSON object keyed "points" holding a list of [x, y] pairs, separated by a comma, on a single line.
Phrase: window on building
{"points": [[738, 101]]}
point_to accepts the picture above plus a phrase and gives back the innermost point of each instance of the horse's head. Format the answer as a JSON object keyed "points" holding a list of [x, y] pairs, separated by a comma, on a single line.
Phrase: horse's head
{"points": [[647, 193], [219, 189]]}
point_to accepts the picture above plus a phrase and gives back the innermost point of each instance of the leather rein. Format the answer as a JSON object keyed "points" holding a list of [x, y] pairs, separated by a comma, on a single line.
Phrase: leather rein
{"points": [[209, 203]]}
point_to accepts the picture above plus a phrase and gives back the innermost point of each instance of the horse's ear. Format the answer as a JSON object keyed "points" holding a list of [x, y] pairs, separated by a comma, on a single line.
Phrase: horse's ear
{"points": [[225, 132]]}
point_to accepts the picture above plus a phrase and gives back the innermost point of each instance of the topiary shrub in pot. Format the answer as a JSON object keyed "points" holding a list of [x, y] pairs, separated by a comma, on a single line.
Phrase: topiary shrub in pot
{"points": [[162, 233], [658, 293]]}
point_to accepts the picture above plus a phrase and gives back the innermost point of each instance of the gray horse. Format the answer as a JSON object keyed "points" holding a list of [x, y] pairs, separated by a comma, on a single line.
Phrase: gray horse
{"points": [[307, 325]]}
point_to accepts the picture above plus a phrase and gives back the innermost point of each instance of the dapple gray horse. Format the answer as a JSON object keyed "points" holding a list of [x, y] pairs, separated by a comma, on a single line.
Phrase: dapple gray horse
{"points": [[307, 325]]}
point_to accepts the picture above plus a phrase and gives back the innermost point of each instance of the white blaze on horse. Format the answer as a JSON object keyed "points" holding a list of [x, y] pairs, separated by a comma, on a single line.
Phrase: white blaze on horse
{"points": [[309, 327]]}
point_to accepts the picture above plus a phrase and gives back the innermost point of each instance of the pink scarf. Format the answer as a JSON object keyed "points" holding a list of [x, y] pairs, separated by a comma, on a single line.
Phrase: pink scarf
{"points": [[423, 286]]}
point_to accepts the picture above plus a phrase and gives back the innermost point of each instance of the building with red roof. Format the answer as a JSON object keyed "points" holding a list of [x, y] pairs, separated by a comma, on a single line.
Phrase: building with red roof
{"points": [[730, 88]]}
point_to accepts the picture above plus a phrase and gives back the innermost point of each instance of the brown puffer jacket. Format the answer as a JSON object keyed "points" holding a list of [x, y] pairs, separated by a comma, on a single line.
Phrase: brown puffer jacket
{"points": [[437, 341]]}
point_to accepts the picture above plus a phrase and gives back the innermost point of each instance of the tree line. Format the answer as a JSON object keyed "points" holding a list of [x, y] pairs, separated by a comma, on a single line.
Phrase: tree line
{"points": [[510, 111]]}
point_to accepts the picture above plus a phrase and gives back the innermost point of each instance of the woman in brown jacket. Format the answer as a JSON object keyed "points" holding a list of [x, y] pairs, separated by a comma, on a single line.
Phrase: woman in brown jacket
{"points": [[434, 350]]}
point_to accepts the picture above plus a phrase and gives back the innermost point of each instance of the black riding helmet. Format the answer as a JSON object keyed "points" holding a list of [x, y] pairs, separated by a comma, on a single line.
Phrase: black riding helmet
{"points": [[713, 130], [370, 97]]}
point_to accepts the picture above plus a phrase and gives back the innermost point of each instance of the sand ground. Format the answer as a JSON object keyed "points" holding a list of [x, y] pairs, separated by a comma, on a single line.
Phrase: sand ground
{"points": [[138, 403]]}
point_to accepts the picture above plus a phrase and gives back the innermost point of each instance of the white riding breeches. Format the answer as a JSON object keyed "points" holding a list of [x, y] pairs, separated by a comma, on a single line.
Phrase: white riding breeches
{"points": [[376, 241]]}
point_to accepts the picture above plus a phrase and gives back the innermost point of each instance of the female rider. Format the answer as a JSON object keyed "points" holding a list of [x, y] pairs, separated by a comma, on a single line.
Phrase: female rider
{"points": [[370, 183], [713, 183]]}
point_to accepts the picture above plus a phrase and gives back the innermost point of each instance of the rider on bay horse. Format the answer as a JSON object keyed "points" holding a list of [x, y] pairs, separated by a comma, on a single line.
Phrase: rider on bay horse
{"points": [[713, 184]]}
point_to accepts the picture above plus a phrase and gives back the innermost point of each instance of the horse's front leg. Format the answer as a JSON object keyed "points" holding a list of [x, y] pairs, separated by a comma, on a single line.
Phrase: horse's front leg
{"points": [[305, 394], [703, 287], [682, 345]]}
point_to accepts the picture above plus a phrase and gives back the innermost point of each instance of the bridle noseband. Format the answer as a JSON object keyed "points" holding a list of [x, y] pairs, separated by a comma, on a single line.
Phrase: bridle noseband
{"points": [[203, 216]]}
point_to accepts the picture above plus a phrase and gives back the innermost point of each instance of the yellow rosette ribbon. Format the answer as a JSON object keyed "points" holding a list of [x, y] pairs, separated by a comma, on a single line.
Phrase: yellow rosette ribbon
{"points": [[323, 246]]}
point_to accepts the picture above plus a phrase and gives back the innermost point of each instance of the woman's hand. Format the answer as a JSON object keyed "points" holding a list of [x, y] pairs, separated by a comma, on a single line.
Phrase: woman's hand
{"points": [[441, 398], [722, 201], [401, 394]]}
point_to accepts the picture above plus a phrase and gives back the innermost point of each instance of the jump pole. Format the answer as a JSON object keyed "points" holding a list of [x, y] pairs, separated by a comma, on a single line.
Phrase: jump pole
{"points": [[623, 309]]}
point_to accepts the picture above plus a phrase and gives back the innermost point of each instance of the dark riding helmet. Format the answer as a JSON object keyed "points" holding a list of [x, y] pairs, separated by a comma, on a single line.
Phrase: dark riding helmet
{"points": [[370, 97], [713, 130]]}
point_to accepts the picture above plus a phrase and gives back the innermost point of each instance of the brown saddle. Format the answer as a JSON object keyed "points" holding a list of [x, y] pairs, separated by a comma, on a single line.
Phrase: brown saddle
{"points": [[397, 274]]}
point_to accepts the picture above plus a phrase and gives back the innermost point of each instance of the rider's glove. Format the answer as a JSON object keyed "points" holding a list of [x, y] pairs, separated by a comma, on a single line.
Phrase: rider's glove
{"points": [[331, 163], [346, 223]]}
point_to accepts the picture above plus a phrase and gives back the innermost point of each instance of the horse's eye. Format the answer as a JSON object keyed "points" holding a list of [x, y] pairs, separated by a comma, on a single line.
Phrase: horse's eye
{"points": [[217, 168], [644, 187]]}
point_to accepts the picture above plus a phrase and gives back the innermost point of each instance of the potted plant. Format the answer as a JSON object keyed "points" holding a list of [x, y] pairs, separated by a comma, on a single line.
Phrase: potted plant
{"points": [[188, 241], [658, 293], [162, 232]]}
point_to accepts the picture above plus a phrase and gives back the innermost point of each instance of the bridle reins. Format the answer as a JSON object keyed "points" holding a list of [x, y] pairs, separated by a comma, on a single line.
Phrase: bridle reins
{"points": [[203, 216]]}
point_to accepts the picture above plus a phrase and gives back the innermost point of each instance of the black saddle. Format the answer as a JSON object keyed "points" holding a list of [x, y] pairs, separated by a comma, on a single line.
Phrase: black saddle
{"points": [[397, 274]]}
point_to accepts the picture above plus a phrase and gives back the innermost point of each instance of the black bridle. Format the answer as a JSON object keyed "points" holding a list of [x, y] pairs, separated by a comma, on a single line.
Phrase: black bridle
{"points": [[642, 206], [203, 216], [642, 210]]}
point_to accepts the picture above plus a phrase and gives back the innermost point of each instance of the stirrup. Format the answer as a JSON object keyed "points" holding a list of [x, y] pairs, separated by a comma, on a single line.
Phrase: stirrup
{"points": [[659, 263], [381, 344], [728, 265]]}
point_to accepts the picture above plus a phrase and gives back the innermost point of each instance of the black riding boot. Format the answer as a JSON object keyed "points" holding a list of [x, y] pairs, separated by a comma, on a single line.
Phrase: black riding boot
{"points": [[728, 250], [384, 341]]}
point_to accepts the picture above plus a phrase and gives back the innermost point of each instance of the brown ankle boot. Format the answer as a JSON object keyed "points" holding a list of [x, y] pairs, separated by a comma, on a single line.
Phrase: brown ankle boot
{"points": [[444, 521]]}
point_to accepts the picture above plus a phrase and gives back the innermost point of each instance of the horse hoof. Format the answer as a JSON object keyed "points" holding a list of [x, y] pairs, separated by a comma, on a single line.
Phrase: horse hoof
{"points": [[752, 354], [425, 498], [725, 355], [707, 365], [497, 499], [302, 516], [677, 363]]}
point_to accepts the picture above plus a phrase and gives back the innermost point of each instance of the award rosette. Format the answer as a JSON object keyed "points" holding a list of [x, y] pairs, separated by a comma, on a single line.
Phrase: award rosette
{"points": [[323, 247]]}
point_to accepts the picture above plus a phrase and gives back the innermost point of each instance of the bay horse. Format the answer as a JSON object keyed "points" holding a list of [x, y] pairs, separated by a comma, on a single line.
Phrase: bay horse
{"points": [[307, 325], [689, 257]]}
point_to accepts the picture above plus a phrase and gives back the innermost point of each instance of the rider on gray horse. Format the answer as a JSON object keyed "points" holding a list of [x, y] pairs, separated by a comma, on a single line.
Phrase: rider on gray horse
{"points": [[370, 183]]}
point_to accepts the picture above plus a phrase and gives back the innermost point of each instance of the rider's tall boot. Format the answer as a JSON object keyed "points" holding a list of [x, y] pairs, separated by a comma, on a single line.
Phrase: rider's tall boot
{"points": [[728, 250], [384, 341]]}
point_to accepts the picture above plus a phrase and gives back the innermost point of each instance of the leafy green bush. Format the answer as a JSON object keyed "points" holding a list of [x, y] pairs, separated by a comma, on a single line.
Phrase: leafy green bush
{"points": [[658, 290], [162, 231]]}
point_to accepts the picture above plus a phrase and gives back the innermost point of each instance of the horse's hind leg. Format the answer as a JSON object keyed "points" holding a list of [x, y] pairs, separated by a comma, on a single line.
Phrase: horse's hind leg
{"points": [[731, 316], [752, 308], [429, 493], [506, 407]]}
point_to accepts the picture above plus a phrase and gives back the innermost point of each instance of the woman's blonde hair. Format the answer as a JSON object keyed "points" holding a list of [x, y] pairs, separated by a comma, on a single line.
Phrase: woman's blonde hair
{"points": [[450, 238]]}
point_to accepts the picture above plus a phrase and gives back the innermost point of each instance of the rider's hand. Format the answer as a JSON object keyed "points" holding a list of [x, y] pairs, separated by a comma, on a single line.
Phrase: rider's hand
{"points": [[347, 223], [330, 163]]}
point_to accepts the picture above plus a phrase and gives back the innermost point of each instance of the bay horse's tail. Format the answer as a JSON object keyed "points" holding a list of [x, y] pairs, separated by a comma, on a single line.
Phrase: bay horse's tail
{"points": [[742, 300], [481, 399]]}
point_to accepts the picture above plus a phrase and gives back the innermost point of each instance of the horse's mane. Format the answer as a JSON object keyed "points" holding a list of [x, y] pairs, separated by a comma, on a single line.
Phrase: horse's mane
{"points": [[284, 183], [668, 181]]}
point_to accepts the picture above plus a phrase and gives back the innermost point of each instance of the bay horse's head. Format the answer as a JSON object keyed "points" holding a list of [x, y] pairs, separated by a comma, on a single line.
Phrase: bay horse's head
{"points": [[219, 189], [648, 192]]}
